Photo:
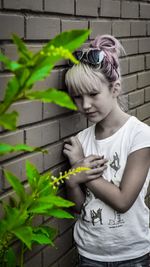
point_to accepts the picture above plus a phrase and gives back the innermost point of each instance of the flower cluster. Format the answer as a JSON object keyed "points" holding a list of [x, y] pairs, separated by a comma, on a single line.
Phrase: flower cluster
{"points": [[60, 180]]}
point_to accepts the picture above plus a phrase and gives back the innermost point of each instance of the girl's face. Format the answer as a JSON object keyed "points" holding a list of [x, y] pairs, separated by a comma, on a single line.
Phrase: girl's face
{"points": [[97, 105]]}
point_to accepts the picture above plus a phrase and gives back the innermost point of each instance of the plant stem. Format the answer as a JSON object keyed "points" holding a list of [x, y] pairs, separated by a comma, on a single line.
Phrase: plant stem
{"points": [[22, 254]]}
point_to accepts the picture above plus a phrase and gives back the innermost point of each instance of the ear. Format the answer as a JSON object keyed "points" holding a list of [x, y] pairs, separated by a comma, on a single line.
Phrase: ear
{"points": [[116, 89]]}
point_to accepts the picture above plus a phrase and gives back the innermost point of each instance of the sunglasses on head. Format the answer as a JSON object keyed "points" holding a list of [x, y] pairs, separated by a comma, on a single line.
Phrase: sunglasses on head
{"points": [[92, 56]]}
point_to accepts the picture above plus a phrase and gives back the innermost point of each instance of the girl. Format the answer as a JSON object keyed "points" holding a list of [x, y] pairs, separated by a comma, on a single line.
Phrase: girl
{"points": [[113, 224]]}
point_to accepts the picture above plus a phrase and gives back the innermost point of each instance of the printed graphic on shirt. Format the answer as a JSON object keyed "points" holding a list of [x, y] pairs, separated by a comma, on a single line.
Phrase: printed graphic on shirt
{"points": [[117, 221], [87, 201], [115, 164], [96, 216]]}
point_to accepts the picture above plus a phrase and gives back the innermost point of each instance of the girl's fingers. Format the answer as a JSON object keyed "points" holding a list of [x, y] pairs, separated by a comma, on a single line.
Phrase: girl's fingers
{"points": [[96, 170], [67, 146], [98, 163]]}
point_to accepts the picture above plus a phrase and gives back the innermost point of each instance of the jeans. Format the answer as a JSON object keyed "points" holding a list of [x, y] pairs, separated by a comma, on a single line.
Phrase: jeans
{"points": [[143, 261]]}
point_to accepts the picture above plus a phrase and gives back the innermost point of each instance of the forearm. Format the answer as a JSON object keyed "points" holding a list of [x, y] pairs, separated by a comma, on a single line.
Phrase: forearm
{"points": [[108, 193], [76, 195]]}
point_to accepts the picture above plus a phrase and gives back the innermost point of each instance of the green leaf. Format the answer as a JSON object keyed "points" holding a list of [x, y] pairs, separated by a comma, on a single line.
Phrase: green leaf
{"points": [[39, 208], [10, 64], [32, 175], [7, 148], [58, 213], [16, 184], [3, 227], [25, 234], [44, 234], [9, 120], [14, 217], [56, 200], [12, 90], [10, 258], [47, 230], [70, 40], [38, 74], [23, 50], [41, 239], [44, 204], [53, 95]]}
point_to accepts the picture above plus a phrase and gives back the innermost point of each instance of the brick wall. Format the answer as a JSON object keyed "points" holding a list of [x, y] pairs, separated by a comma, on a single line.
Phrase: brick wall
{"points": [[46, 125]]}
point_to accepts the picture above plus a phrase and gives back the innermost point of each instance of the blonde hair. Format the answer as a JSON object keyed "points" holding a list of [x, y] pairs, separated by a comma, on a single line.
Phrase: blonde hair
{"points": [[86, 78]]}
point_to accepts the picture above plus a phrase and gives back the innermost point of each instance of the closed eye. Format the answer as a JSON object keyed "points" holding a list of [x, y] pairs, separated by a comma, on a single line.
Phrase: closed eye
{"points": [[77, 96], [93, 94]]}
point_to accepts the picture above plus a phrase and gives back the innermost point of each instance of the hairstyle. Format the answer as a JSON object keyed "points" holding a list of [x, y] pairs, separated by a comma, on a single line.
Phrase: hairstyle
{"points": [[86, 78]]}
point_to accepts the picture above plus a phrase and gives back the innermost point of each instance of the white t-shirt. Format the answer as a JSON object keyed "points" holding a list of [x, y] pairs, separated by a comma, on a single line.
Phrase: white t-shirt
{"points": [[101, 233]]}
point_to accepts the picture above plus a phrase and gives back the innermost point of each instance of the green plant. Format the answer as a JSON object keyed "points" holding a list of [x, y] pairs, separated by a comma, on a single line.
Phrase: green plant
{"points": [[41, 196], [41, 199]]}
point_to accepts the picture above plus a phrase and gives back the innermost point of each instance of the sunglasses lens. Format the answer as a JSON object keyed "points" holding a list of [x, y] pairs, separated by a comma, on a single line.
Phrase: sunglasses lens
{"points": [[95, 56], [78, 54]]}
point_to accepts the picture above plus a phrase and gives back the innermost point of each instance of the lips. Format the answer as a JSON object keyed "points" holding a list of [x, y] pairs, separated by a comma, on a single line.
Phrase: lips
{"points": [[90, 113]]}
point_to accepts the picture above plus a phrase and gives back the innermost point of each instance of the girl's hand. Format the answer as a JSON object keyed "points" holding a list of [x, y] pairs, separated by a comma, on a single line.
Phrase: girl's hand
{"points": [[97, 165], [73, 150]]}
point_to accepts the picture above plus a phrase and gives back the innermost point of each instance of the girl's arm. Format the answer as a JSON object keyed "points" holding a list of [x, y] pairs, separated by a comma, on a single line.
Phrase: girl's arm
{"points": [[74, 152], [122, 198]]}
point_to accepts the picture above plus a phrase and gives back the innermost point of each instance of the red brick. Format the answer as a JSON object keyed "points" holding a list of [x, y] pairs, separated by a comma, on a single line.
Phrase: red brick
{"points": [[87, 7], [42, 134], [110, 8], [42, 27], [9, 24], [21, 4], [56, 6], [99, 28]]}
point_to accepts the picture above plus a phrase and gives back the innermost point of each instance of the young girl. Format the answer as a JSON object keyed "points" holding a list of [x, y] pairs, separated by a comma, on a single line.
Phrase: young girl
{"points": [[113, 223]]}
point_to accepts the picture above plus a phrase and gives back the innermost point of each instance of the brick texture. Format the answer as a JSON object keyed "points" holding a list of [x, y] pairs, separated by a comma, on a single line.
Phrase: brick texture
{"points": [[35, 26], [99, 27], [110, 8], [28, 4], [129, 9], [9, 24], [87, 7], [56, 6], [46, 125]]}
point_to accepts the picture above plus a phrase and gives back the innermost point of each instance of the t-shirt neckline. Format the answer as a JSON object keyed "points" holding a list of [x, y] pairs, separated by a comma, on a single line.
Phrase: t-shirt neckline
{"points": [[114, 134]]}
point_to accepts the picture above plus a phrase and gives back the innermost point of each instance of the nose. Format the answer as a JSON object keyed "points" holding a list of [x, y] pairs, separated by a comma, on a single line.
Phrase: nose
{"points": [[86, 102]]}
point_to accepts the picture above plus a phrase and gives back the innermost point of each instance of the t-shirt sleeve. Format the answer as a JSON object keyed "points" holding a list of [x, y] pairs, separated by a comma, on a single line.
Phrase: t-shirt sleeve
{"points": [[141, 137]]}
